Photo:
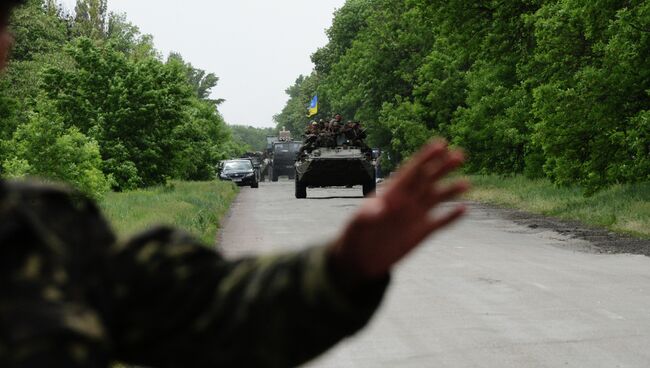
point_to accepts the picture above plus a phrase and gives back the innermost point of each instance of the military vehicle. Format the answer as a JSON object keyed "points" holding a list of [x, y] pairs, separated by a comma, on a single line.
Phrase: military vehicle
{"points": [[281, 154], [334, 166], [283, 159]]}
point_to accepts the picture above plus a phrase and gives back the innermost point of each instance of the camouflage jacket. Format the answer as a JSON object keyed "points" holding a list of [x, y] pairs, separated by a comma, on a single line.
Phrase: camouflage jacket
{"points": [[71, 296]]}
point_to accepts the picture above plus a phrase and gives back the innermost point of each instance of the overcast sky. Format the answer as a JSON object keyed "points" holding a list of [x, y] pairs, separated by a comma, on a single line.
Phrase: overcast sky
{"points": [[256, 47]]}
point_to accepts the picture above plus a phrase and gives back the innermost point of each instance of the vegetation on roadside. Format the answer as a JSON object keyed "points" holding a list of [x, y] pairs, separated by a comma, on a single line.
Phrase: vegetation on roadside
{"points": [[546, 88], [89, 100], [196, 207], [623, 208]]}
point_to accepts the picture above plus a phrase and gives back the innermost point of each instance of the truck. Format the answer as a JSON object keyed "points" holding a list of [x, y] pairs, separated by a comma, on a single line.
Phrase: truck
{"points": [[281, 154], [283, 159], [334, 166]]}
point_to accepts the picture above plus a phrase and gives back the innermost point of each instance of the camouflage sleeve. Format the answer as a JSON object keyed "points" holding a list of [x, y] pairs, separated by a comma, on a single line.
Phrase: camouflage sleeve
{"points": [[51, 244], [177, 303]]}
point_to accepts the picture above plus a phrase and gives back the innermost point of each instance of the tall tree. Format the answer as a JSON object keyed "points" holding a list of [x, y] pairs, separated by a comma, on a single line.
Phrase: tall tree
{"points": [[91, 18], [201, 81]]}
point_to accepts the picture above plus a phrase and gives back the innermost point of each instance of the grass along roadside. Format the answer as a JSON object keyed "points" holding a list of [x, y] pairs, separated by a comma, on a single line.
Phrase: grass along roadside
{"points": [[196, 207], [621, 208]]}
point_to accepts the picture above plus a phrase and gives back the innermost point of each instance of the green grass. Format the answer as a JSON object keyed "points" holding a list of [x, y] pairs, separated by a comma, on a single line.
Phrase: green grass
{"points": [[621, 208], [196, 207]]}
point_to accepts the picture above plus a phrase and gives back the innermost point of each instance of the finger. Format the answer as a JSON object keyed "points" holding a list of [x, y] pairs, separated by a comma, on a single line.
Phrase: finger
{"points": [[439, 195], [438, 170], [410, 173]]}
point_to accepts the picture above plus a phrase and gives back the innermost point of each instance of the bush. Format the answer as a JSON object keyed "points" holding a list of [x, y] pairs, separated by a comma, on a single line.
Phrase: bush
{"points": [[44, 147]]}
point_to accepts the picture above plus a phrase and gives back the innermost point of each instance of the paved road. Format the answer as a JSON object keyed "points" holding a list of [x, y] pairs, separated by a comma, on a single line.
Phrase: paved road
{"points": [[487, 293]]}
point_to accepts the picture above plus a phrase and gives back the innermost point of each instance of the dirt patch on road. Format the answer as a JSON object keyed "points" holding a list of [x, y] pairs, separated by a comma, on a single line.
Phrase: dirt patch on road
{"points": [[601, 240]]}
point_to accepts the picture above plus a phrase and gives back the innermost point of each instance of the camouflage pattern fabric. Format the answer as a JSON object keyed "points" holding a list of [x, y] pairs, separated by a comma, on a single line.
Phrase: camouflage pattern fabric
{"points": [[71, 296]]}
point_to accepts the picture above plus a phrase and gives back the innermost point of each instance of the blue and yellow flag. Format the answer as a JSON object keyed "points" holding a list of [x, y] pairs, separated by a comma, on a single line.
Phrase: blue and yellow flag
{"points": [[313, 107]]}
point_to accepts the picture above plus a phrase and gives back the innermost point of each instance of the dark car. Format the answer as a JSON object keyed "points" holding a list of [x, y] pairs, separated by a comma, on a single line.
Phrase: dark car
{"points": [[240, 172]]}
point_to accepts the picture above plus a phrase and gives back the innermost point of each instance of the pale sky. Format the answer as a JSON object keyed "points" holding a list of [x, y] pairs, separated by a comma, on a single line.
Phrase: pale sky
{"points": [[256, 47]]}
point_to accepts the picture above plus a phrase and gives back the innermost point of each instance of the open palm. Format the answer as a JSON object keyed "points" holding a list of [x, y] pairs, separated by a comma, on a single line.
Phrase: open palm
{"points": [[389, 226]]}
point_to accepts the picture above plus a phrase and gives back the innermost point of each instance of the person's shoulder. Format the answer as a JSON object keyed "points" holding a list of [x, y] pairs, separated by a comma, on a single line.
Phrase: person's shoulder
{"points": [[33, 187], [38, 195], [52, 213]]}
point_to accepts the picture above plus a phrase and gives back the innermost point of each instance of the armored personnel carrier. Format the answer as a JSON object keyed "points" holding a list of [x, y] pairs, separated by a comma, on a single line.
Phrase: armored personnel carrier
{"points": [[334, 166]]}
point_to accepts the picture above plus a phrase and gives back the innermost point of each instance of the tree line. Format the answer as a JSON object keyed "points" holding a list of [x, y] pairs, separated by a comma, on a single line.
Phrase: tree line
{"points": [[546, 88], [252, 139], [89, 100]]}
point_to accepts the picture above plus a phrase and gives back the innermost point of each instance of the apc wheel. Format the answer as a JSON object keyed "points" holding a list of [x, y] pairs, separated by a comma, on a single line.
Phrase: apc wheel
{"points": [[369, 188], [301, 190], [255, 185], [275, 177]]}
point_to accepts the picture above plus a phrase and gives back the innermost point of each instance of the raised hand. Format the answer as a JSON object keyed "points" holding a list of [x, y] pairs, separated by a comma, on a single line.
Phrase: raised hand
{"points": [[389, 226]]}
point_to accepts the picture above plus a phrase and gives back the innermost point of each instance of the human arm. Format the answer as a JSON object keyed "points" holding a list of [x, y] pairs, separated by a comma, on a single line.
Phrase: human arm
{"points": [[177, 303]]}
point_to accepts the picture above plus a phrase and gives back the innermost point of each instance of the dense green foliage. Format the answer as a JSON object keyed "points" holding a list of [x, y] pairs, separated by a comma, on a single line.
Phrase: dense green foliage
{"points": [[556, 88], [88, 100], [252, 138]]}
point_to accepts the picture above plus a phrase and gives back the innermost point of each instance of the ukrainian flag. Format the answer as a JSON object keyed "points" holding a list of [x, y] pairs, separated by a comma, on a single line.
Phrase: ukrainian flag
{"points": [[313, 107]]}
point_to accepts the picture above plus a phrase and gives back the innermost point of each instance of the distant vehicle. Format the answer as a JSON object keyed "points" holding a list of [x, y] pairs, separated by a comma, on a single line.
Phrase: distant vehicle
{"points": [[259, 163], [283, 159], [240, 172], [267, 170], [337, 156], [329, 167]]}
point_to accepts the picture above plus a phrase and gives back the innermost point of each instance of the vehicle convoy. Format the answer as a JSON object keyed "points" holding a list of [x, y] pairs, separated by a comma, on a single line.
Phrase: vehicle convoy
{"points": [[240, 172], [335, 155]]}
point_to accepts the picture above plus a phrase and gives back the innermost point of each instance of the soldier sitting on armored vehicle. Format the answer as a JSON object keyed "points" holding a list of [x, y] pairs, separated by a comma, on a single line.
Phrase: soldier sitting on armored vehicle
{"points": [[353, 131], [334, 134], [337, 119], [358, 138], [311, 138]]}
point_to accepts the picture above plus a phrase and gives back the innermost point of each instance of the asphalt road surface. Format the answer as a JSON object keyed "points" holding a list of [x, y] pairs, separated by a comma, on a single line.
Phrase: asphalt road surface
{"points": [[486, 293]]}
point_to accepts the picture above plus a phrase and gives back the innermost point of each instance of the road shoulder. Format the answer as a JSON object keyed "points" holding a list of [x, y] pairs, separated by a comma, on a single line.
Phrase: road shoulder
{"points": [[600, 240]]}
